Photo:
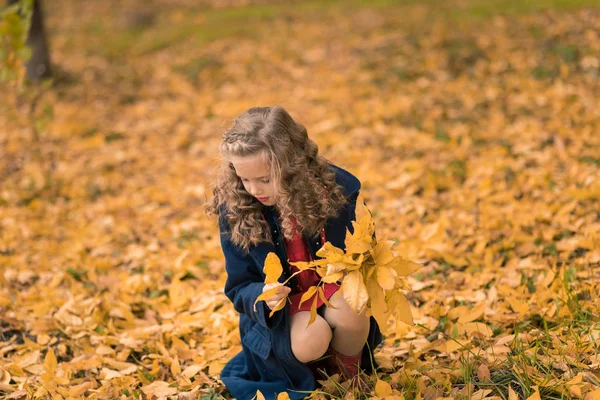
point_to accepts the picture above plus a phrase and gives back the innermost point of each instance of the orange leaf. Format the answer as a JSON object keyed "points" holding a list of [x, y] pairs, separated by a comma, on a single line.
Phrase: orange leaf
{"points": [[266, 295], [313, 311], [324, 299], [308, 294], [280, 304], [383, 389], [272, 268], [473, 314], [50, 363]]}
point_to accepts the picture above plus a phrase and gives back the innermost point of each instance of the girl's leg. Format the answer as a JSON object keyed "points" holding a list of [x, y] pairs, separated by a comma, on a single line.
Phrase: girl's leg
{"points": [[309, 343], [350, 330]]}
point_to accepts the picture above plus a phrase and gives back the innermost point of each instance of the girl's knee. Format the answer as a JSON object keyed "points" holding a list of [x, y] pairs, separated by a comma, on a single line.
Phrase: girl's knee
{"points": [[310, 343], [354, 321], [345, 317]]}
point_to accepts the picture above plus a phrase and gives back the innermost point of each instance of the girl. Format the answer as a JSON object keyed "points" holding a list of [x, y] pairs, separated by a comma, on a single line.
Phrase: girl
{"points": [[276, 194]]}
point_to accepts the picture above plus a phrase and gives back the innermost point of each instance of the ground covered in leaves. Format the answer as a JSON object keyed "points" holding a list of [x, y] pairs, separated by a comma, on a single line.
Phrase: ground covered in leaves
{"points": [[474, 127]]}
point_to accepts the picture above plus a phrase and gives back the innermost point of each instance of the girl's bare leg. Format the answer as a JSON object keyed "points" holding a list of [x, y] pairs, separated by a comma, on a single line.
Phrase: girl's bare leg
{"points": [[350, 330], [309, 343]]}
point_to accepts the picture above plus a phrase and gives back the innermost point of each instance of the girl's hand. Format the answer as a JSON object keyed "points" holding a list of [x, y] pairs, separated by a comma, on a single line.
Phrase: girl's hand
{"points": [[281, 293]]}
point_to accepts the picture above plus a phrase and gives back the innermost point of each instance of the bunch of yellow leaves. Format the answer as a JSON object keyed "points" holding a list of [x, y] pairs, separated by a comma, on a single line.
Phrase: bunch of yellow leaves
{"points": [[372, 276]]}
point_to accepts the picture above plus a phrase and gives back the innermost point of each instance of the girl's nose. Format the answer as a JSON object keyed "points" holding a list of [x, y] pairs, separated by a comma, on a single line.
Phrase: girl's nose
{"points": [[254, 191]]}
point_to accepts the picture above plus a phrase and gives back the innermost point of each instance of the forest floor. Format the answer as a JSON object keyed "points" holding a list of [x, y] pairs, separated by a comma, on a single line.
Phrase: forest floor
{"points": [[474, 127]]}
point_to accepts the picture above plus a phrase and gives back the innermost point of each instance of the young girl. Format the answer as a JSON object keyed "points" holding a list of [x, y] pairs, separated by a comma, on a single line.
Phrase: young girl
{"points": [[276, 194]]}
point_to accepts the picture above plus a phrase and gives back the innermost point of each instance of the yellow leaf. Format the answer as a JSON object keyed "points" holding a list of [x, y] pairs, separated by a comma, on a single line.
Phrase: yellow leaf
{"points": [[283, 396], [575, 386], [472, 314], [355, 243], [383, 389], [456, 312], [308, 294], [361, 209], [179, 293], [303, 265], [386, 277], [369, 271], [328, 249], [50, 363], [324, 299], [191, 371], [259, 396], [159, 389], [313, 311], [405, 267], [266, 295], [364, 215], [512, 395], [547, 280], [175, 367], [378, 307], [594, 395], [334, 272], [5, 376], [449, 346], [518, 306], [471, 328], [402, 309], [535, 395], [355, 291], [272, 268], [78, 390], [332, 278], [359, 241], [336, 268], [382, 253], [280, 304]]}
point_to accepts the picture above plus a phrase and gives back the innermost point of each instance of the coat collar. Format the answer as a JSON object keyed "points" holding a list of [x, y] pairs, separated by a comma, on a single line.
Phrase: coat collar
{"points": [[349, 183]]}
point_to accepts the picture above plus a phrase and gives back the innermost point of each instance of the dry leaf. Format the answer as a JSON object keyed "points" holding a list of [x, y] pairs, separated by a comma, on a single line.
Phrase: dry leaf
{"points": [[159, 389], [483, 373], [476, 147], [383, 389]]}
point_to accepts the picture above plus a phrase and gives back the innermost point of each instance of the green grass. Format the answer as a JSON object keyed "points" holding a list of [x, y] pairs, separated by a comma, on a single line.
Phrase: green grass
{"points": [[203, 25], [196, 24], [482, 8]]}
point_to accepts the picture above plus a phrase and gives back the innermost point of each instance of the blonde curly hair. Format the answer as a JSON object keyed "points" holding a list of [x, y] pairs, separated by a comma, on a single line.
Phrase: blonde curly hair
{"points": [[305, 185]]}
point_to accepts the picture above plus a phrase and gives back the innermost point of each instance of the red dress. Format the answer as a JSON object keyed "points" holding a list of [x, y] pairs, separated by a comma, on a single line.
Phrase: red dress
{"points": [[297, 250]]}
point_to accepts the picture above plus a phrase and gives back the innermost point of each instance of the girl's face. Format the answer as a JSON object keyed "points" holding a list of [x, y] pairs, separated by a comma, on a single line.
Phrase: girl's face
{"points": [[255, 174]]}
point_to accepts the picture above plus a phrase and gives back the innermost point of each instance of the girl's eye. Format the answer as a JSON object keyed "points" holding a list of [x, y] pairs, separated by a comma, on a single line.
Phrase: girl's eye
{"points": [[265, 181]]}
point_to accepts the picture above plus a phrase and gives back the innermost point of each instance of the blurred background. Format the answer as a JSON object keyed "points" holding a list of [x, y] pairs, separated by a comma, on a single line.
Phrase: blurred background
{"points": [[472, 124]]}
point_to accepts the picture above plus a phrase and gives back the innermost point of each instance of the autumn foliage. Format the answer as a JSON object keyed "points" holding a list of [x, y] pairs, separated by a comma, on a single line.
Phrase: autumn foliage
{"points": [[371, 275], [472, 125]]}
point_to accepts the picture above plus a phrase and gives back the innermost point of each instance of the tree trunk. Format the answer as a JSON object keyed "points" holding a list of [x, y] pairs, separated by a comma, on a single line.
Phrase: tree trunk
{"points": [[38, 66]]}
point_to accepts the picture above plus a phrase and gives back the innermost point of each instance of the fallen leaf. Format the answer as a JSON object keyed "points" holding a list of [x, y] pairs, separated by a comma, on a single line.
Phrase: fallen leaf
{"points": [[383, 389]]}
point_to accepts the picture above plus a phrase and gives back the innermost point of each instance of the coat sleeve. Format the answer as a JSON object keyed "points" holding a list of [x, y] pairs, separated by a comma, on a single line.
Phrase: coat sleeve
{"points": [[245, 282]]}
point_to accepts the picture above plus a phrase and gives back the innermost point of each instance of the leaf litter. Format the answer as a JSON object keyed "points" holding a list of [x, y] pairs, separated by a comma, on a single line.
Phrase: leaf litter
{"points": [[476, 141]]}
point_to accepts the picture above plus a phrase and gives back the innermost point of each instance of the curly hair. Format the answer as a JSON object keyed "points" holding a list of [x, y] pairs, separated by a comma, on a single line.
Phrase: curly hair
{"points": [[305, 186]]}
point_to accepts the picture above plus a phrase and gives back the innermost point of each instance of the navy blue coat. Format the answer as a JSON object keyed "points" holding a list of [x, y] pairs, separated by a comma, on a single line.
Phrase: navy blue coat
{"points": [[266, 362]]}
